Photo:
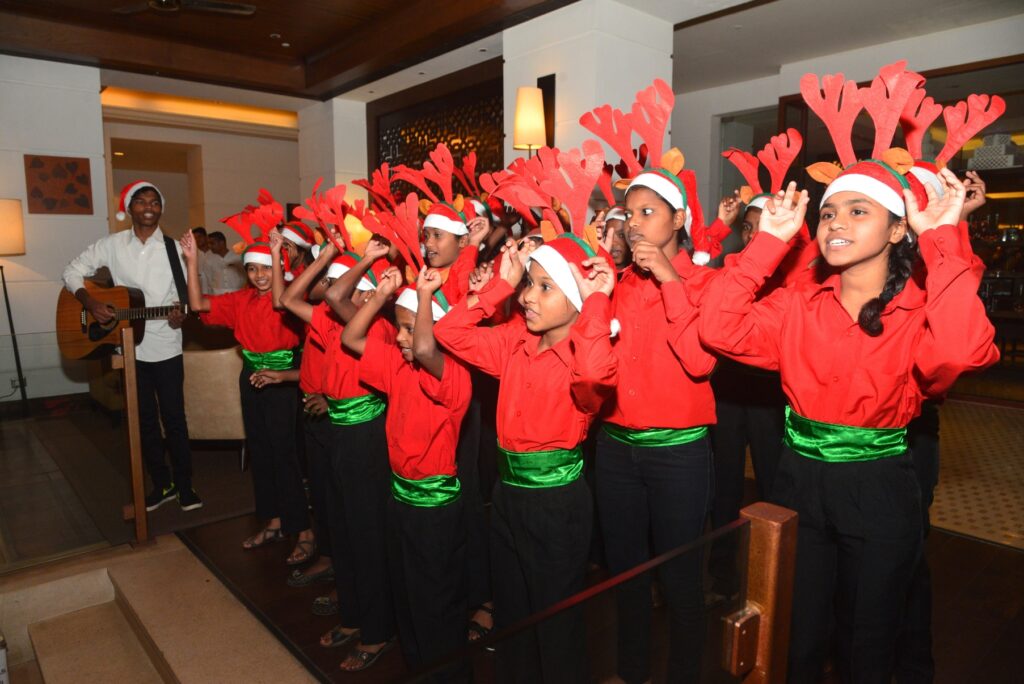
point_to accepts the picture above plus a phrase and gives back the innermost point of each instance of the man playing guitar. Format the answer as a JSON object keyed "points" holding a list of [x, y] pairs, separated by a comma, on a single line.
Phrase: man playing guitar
{"points": [[140, 258]]}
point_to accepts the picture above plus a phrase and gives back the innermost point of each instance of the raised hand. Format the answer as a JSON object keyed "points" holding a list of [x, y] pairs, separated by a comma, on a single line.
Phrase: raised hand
{"points": [[513, 264], [275, 240], [480, 276], [375, 249], [390, 281], [975, 194], [327, 251], [649, 257], [428, 280], [784, 213], [478, 230], [600, 277], [599, 223], [188, 245], [729, 209], [941, 211]]}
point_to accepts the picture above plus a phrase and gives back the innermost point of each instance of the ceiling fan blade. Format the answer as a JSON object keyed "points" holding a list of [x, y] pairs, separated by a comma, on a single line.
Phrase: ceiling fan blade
{"points": [[239, 9], [132, 9]]}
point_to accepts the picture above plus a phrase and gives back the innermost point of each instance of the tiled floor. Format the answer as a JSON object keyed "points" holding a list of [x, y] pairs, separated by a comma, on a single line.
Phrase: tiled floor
{"points": [[981, 477]]}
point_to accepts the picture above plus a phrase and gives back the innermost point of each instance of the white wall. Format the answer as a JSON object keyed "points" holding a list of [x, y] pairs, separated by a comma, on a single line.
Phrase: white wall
{"points": [[332, 145], [233, 167], [51, 109], [601, 52], [695, 121], [173, 187]]}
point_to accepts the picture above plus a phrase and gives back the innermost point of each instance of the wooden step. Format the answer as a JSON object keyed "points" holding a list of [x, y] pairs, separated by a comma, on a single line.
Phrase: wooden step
{"points": [[95, 644]]}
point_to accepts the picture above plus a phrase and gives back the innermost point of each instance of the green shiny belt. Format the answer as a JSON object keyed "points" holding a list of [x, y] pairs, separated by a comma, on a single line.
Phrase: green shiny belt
{"points": [[355, 410], [282, 359], [430, 492], [537, 469], [841, 443], [655, 437]]}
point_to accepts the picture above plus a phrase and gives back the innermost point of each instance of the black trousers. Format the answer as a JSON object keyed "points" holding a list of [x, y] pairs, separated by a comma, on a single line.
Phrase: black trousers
{"points": [[467, 457], [361, 491], [427, 562], [540, 539], [914, 661], [318, 435], [664, 494], [161, 389], [271, 419], [858, 544]]}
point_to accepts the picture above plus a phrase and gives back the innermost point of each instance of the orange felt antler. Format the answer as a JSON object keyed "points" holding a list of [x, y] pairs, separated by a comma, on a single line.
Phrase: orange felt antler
{"points": [[241, 223], [440, 171], [402, 228], [837, 102], [605, 183], [964, 120], [650, 116], [778, 155], [885, 100], [747, 165], [269, 214], [918, 114], [616, 129], [570, 177], [467, 174], [379, 188]]}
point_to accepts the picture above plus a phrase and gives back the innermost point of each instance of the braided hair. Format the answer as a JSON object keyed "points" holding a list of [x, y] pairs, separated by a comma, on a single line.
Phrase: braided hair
{"points": [[902, 257]]}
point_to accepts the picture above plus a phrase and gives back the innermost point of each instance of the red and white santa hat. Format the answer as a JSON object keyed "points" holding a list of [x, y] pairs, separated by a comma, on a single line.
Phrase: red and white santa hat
{"points": [[443, 216], [928, 174], [879, 181], [345, 262], [409, 299], [616, 213], [554, 256], [299, 233], [128, 192], [257, 253]]}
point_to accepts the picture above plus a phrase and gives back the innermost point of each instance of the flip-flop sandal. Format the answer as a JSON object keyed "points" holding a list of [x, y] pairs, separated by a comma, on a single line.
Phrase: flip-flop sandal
{"points": [[306, 549], [268, 535], [324, 605], [366, 658], [297, 579], [339, 638], [476, 629]]}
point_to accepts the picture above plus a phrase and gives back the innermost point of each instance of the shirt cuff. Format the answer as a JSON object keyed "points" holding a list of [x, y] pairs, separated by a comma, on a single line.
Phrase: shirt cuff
{"points": [[940, 243], [595, 316], [496, 292], [677, 304], [74, 283]]}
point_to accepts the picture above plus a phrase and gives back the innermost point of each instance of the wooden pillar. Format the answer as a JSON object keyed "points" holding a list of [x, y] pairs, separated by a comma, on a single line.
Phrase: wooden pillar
{"points": [[137, 508]]}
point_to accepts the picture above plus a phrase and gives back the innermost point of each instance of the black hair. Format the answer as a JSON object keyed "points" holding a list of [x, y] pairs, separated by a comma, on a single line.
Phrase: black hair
{"points": [[200, 230], [217, 235], [902, 257]]}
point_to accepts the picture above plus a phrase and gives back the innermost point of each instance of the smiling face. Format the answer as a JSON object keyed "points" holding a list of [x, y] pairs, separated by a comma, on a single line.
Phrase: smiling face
{"points": [[650, 218], [620, 247], [545, 306], [442, 247], [406, 322], [854, 229], [146, 208], [259, 277]]}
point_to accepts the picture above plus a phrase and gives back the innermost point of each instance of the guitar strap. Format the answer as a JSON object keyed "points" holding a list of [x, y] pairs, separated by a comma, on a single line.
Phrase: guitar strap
{"points": [[179, 277]]}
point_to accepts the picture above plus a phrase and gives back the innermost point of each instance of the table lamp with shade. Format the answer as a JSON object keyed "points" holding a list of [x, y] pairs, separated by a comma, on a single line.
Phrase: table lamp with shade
{"points": [[12, 243], [529, 133]]}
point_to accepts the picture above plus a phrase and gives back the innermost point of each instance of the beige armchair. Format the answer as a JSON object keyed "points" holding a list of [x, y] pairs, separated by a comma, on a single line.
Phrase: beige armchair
{"points": [[212, 403]]}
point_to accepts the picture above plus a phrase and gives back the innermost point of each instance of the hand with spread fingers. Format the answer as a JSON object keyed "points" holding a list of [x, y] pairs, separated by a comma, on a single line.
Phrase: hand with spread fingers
{"points": [[600, 277], [941, 211], [784, 213]]}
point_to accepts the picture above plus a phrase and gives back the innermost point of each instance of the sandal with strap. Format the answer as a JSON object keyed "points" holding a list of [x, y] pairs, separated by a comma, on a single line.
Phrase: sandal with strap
{"points": [[306, 550], [268, 535], [339, 637], [365, 658], [478, 631]]}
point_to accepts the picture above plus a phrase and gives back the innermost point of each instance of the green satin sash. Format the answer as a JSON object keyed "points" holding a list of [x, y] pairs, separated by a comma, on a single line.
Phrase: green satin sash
{"points": [[841, 443], [354, 410], [655, 437], [430, 492], [538, 469], [282, 359]]}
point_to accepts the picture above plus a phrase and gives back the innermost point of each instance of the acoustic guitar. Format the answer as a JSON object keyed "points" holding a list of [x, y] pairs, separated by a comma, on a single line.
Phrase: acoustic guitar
{"points": [[81, 336]]}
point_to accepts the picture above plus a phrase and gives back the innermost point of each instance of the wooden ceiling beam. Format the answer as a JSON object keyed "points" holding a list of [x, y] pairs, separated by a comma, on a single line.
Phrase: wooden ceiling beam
{"points": [[36, 37]]}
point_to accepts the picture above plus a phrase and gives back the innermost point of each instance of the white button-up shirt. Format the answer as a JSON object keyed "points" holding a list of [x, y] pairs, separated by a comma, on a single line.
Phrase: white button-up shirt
{"points": [[144, 266]]}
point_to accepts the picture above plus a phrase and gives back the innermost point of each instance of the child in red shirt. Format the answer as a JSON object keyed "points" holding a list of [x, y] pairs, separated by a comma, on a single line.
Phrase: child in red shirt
{"points": [[556, 370], [428, 393], [269, 406]]}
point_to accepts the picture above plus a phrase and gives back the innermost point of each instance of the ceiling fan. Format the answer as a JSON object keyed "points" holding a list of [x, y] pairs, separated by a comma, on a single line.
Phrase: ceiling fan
{"points": [[238, 9]]}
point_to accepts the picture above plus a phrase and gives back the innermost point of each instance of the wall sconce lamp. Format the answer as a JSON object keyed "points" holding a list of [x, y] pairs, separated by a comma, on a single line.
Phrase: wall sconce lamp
{"points": [[12, 242], [529, 133]]}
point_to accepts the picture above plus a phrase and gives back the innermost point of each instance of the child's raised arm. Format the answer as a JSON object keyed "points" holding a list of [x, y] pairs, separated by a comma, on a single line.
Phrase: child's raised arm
{"points": [[293, 298], [353, 337], [197, 301], [424, 346], [339, 295]]}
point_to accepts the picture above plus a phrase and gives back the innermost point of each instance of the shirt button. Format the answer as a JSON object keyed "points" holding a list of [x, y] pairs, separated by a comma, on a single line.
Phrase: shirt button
{"points": [[835, 378], [635, 358], [529, 385], [518, 413], [632, 393]]}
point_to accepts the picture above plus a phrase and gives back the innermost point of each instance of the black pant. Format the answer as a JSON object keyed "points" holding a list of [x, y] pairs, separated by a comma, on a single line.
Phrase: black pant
{"points": [[539, 544], [163, 382], [477, 555], [362, 489], [858, 543], [427, 562], [914, 661], [270, 417], [318, 436], [662, 493]]}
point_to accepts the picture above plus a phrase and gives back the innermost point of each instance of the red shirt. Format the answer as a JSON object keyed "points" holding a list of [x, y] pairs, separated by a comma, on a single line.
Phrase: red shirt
{"points": [[311, 370], [456, 283], [339, 370], [834, 372], [663, 368], [258, 326], [424, 413], [546, 400]]}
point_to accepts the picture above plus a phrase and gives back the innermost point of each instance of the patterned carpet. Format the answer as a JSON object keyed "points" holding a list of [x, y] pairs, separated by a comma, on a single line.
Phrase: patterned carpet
{"points": [[981, 477]]}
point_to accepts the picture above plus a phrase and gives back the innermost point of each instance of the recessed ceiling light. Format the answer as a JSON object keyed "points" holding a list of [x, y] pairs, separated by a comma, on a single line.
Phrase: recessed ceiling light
{"points": [[119, 154], [285, 45], [275, 36]]}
